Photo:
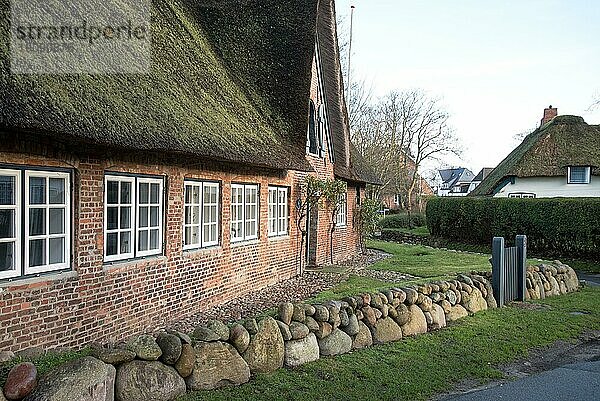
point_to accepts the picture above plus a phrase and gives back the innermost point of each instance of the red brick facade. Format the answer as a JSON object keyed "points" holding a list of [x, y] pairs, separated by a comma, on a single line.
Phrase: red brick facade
{"points": [[98, 301]]}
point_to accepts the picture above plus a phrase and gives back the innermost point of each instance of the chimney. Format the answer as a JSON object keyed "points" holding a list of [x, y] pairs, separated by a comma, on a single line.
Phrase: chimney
{"points": [[549, 114]]}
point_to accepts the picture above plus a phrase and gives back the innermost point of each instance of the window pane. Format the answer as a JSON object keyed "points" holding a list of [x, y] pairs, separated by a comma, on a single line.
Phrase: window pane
{"points": [[154, 216], [7, 251], [125, 242], [196, 215], [126, 192], [112, 214], [143, 240], [188, 194], [154, 193], [195, 235], [57, 246], [57, 190], [112, 192], [249, 229], [126, 217], [213, 214], [187, 215], [7, 223], [196, 195], [206, 233], [37, 252], [111, 244], [153, 239], [144, 193], [37, 190], [37, 221], [57, 221], [187, 236], [7, 190], [143, 216]]}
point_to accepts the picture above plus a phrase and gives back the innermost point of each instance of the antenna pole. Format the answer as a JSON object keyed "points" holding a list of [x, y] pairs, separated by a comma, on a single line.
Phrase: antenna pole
{"points": [[349, 58]]}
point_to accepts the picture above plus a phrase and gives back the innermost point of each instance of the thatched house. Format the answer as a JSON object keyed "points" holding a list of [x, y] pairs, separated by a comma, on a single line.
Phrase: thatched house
{"points": [[559, 159], [129, 201]]}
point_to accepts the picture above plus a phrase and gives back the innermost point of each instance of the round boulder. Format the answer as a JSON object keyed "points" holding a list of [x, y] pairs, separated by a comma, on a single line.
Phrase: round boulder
{"points": [[299, 352], [217, 365], [336, 343], [185, 363], [145, 347], [239, 337], [265, 352], [170, 345], [21, 381], [147, 380]]}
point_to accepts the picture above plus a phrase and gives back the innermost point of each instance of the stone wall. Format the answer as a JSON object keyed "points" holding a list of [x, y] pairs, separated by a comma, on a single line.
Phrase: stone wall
{"points": [[163, 367], [548, 280]]}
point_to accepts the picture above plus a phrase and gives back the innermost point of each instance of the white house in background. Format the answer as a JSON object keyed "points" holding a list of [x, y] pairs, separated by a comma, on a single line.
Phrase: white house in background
{"points": [[455, 181], [484, 172], [559, 159]]}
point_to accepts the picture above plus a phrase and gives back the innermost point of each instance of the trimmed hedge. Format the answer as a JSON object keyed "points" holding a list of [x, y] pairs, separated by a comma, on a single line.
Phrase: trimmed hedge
{"points": [[403, 220], [554, 226]]}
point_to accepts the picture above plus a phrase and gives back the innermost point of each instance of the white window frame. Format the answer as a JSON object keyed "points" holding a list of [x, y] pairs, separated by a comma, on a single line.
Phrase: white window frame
{"points": [[278, 211], [132, 223], [66, 206], [135, 228], [16, 239], [201, 185], [340, 217], [397, 199], [587, 175], [522, 195], [160, 227], [243, 236]]}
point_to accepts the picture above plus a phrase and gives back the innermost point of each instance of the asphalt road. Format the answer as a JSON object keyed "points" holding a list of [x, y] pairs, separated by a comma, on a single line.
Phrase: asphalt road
{"points": [[575, 382], [590, 279]]}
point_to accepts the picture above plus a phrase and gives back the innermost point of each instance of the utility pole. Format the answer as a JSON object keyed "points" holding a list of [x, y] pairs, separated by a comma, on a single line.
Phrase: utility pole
{"points": [[349, 84]]}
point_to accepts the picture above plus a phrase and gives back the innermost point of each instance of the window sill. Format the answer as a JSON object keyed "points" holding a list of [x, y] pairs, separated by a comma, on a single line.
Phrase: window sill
{"points": [[276, 238], [40, 278], [192, 252], [238, 244], [123, 264]]}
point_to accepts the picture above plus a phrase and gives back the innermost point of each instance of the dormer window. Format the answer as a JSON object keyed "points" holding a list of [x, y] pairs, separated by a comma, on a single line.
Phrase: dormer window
{"points": [[578, 175]]}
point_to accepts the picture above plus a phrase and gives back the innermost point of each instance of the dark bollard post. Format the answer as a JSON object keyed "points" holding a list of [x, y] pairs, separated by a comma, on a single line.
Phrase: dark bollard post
{"points": [[521, 244], [498, 273]]}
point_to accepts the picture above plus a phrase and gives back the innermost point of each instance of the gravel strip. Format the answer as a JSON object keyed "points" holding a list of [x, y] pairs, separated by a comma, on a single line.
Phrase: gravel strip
{"points": [[296, 289]]}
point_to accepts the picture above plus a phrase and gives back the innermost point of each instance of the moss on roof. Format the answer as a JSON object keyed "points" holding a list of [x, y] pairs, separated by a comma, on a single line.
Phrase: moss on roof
{"points": [[547, 151], [228, 81]]}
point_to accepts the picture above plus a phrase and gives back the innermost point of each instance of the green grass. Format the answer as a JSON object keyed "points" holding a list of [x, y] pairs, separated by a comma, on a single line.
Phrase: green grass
{"points": [[417, 368], [423, 261], [43, 363]]}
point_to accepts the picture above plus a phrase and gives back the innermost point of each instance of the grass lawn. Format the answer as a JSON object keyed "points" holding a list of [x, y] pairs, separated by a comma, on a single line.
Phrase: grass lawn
{"points": [[427, 262], [417, 368]]}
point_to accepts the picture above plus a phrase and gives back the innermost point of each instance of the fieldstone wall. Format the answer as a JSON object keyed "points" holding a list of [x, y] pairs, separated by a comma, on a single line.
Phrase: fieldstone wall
{"points": [[548, 280], [165, 366]]}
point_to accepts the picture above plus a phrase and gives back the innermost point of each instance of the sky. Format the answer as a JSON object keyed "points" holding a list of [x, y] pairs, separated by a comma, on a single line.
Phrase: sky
{"points": [[495, 64]]}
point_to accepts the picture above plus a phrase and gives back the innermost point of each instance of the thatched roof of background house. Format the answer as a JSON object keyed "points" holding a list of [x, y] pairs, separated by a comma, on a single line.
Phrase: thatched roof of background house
{"points": [[229, 81], [547, 152]]}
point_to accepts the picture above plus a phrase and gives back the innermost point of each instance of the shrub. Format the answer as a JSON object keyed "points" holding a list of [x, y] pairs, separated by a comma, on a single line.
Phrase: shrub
{"points": [[403, 220], [554, 226]]}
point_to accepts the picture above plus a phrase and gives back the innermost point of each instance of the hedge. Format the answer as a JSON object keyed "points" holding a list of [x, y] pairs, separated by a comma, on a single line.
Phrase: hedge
{"points": [[554, 226], [403, 220]]}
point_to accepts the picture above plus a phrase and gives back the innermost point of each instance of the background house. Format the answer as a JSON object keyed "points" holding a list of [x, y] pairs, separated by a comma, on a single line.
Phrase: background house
{"points": [[484, 172], [455, 181], [559, 159]]}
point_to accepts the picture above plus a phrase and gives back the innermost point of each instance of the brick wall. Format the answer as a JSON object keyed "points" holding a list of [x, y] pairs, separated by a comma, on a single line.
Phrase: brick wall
{"points": [[102, 302]]}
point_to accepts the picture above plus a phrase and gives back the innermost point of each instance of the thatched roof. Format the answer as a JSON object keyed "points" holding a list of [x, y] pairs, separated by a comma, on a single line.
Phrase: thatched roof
{"points": [[547, 152], [229, 81], [349, 164]]}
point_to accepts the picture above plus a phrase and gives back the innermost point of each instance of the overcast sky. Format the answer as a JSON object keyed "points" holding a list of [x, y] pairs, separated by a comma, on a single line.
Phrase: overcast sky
{"points": [[496, 64]]}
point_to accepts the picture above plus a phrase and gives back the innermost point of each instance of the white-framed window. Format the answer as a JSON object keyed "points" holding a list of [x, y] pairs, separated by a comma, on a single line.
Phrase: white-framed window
{"points": [[579, 175], [47, 222], [244, 212], [397, 199], [10, 223], [201, 214], [278, 211], [521, 195], [340, 217], [133, 216]]}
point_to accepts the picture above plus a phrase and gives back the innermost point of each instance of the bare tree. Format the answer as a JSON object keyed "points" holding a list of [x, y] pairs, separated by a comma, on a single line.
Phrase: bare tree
{"points": [[398, 134]]}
